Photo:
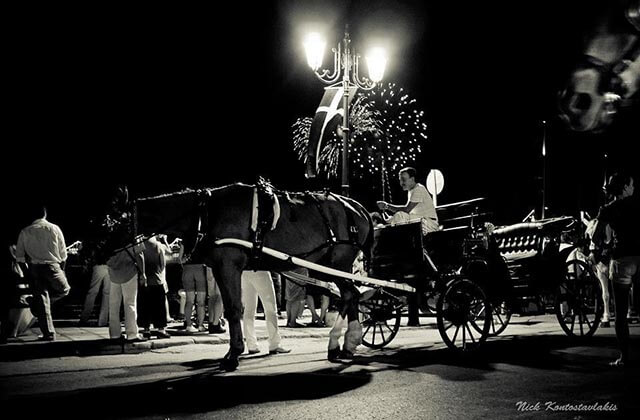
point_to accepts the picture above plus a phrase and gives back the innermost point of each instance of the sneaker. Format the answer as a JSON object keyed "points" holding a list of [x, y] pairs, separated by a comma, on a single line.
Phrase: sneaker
{"points": [[201, 328], [253, 351], [279, 350], [216, 329], [191, 329]]}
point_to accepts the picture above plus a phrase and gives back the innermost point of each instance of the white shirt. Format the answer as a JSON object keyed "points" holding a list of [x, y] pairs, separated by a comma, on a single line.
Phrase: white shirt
{"points": [[425, 207], [43, 242]]}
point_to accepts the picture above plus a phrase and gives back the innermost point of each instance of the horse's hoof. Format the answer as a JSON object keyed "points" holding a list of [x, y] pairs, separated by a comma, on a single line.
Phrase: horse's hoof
{"points": [[229, 365], [346, 354], [333, 354]]}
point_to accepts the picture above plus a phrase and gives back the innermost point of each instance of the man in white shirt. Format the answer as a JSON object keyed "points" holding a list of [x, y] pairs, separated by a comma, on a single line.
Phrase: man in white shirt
{"points": [[419, 205], [42, 247]]}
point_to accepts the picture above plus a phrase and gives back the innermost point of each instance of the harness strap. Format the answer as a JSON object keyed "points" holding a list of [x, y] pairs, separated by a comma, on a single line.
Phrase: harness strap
{"points": [[352, 228], [264, 214], [325, 219]]}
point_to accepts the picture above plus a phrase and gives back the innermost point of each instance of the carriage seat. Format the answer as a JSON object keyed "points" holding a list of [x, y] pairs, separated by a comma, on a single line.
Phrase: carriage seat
{"points": [[522, 240], [525, 240]]}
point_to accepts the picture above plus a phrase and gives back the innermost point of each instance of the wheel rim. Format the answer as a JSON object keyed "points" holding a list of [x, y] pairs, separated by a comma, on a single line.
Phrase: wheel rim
{"points": [[464, 316], [579, 306], [380, 319]]}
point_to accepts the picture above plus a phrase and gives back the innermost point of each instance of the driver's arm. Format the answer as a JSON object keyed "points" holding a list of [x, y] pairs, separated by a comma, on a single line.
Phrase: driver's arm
{"points": [[406, 208]]}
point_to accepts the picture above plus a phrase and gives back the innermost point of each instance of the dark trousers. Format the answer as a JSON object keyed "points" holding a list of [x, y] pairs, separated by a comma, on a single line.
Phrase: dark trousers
{"points": [[151, 307], [48, 284], [621, 293]]}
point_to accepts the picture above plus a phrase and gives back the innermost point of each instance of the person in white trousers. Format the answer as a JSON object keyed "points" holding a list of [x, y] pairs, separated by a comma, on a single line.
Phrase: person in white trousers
{"points": [[99, 280], [259, 284], [126, 270]]}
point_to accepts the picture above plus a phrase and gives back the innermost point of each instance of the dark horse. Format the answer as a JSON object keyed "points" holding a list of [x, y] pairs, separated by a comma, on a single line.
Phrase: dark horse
{"points": [[608, 75], [319, 227]]}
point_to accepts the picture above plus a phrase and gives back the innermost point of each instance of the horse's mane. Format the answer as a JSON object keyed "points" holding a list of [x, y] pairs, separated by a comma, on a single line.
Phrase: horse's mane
{"points": [[190, 191]]}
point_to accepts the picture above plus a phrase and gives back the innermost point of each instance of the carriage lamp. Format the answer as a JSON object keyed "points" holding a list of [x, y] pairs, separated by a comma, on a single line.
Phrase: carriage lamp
{"points": [[346, 72]]}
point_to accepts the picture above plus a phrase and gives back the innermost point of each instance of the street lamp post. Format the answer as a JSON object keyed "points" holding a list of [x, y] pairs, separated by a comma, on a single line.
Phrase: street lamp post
{"points": [[345, 65]]}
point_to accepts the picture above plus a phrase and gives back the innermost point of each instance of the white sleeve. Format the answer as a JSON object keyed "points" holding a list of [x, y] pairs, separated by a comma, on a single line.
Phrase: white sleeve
{"points": [[62, 245]]}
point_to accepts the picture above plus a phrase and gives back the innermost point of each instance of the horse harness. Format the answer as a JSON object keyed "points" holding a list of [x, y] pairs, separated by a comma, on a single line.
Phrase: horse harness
{"points": [[266, 219], [332, 241]]}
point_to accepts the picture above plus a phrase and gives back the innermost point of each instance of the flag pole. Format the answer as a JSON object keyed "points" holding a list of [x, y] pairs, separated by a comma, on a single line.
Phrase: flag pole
{"points": [[544, 167]]}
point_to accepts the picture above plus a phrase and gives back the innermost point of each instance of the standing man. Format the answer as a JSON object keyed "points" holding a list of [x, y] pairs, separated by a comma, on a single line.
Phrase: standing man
{"points": [[42, 248], [126, 271], [99, 281], [151, 302], [618, 224], [419, 205]]}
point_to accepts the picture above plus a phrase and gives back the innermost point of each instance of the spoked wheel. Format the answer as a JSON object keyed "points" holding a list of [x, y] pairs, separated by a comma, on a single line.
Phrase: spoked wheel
{"points": [[380, 319], [579, 302], [500, 317], [464, 316]]}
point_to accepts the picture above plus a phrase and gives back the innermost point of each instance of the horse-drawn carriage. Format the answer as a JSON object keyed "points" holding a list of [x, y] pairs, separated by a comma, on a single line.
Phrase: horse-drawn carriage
{"points": [[471, 272], [479, 277]]}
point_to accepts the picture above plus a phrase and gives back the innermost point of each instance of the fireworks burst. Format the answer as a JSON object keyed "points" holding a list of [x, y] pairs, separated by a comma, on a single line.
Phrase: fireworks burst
{"points": [[363, 118], [388, 133]]}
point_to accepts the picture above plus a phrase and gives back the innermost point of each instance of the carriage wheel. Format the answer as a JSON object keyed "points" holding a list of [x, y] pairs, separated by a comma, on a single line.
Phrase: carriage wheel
{"points": [[500, 317], [579, 302], [464, 316], [380, 319]]}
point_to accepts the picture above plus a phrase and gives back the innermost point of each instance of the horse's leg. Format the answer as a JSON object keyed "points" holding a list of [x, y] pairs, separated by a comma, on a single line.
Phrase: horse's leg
{"points": [[334, 338], [353, 336], [348, 316], [602, 272], [228, 268]]}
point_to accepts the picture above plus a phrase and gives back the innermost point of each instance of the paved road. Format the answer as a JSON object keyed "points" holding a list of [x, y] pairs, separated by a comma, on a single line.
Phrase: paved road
{"points": [[415, 377]]}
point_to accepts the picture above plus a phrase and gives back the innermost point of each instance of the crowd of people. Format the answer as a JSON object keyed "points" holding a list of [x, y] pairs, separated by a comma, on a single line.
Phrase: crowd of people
{"points": [[135, 276]]}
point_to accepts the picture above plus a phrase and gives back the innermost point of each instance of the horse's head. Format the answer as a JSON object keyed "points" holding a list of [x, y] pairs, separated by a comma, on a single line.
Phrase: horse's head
{"points": [[608, 75]]}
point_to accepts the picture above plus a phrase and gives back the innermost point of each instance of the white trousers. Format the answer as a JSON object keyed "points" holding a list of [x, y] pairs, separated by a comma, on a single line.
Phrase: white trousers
{"points": [[99, 280], [129, 293], [259, 284]]}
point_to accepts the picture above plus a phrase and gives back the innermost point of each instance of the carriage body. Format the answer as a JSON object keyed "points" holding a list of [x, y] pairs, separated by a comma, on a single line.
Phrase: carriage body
{"points": [[536, 264], [540, 274], [402, 253]]}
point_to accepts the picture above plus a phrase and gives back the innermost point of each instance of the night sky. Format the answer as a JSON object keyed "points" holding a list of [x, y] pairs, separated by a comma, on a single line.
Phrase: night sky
{"points": [[162, 99]]}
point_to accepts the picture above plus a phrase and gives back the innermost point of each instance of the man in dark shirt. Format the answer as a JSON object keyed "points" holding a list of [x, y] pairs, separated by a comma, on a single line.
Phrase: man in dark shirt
{"points": [[619, 225]]}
